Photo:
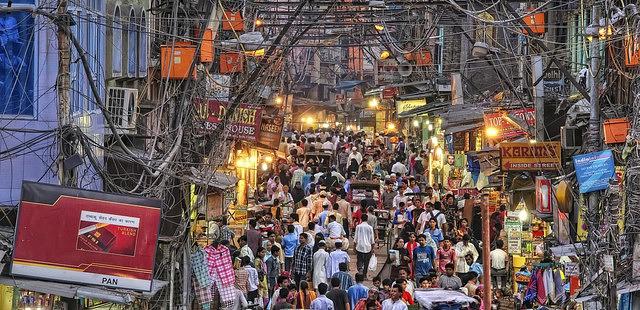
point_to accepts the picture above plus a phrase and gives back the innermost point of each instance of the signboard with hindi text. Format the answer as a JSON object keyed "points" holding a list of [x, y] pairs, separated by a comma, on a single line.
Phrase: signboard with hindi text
{"points": [[524, 156], [73, 235]]}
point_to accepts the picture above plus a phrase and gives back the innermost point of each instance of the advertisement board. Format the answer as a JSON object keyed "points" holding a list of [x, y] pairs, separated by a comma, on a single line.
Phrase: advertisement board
{"points": [[407, 105], [506, 129], [271, 132], [594, 170], [243, 124], [73, 235], [524, 156]]}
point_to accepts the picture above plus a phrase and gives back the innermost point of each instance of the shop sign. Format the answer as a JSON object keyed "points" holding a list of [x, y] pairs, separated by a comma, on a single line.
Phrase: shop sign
{"points": [[508, 130], [513, 228], [544, 197], [244, 123], [218, 87], [389, 92], [408, 105], [271, 132], [571, 269], [523, 156], [594, 170], [88, 237], [555, 83]]}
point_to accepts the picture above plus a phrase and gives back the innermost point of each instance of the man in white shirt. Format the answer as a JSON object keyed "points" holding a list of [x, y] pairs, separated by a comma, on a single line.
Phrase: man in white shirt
{"points": [[364, 241], [463, 248], [322, 302], [399, 198], [327, 146], [399, 168], [335, 231], [297, 175], [335, 258], [355, 155], [394, 302], [499, 263]]}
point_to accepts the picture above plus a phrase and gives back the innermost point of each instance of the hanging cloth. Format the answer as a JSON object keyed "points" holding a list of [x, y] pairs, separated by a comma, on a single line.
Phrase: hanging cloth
{"points": [[200, 268], [542, 293], [219, 263], [557, 281], [532, 289], [549, 286]]}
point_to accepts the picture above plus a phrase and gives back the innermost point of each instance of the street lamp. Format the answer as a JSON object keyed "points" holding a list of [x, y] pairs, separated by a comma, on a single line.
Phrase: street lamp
{"points": [[391, 126], [278, 100]]}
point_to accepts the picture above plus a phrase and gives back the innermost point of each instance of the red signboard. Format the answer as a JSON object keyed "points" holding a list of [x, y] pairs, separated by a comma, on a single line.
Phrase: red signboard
{"points": [[73, 235], [544, 193], [506, 129], [243, 124]]}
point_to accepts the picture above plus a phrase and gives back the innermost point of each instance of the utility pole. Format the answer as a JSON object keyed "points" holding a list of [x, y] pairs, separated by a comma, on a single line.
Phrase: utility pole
{"points": [[538, 95], [63, 86], [486, 259]]}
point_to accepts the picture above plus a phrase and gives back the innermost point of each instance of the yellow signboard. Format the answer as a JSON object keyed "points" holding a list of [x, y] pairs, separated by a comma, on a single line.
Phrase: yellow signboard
{"points": [[530, 156], [407, 105]]}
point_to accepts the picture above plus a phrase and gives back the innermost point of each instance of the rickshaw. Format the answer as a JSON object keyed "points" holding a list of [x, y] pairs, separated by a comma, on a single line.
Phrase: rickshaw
{"points": [[357, 192], [317, 160]]}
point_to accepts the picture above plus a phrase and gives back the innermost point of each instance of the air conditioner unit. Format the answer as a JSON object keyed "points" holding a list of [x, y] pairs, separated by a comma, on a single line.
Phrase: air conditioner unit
{"points": [[122, 104], [571, 138]]}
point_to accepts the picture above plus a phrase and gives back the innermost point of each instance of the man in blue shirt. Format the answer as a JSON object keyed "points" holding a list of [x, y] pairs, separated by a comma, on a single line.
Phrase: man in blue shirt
{"points": [[357, 291], [424, 258], [322, 302], [402, 215], [289, 243], [473, 265]]}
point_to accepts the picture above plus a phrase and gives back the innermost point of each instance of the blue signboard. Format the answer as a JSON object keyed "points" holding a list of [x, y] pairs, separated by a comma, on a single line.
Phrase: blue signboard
{"points": [[594, 170]]}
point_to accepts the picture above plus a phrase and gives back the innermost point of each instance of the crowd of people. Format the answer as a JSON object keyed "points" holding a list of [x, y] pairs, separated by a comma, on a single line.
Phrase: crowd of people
{"points": [[294, 252]]}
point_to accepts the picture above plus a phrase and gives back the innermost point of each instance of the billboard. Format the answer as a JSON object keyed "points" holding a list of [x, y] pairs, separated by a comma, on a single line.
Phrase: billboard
{"points": [[506, 129], [594, 170], [244, 123], [524, 156], [74, 235], [408, 105]]}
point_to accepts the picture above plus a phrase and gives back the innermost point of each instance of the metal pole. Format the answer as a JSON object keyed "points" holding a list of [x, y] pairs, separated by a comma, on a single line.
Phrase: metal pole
{"points": [[172, 278], [486, 260], [538, 95]]}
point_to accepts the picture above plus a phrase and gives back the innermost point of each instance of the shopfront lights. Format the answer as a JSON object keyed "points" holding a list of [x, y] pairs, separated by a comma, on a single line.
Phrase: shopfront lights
{"points": [[523, 215], [491, 132], [430, 127], [349, 128], [308, 120], [374, 102], [416, 123], [264, 166], [268, 159], [434, 141], [391, 126], [279, 100], [533, 141], [258, 23], [325, 125]]}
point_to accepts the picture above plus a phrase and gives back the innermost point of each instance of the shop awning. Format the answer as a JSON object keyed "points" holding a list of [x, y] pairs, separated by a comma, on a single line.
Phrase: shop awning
{"points": [[217, 180], [82, 291], [348, 85], [461, 128]]}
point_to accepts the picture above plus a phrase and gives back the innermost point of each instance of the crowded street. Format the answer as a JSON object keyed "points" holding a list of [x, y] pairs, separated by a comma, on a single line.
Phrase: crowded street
{"points": [[320, 154]]}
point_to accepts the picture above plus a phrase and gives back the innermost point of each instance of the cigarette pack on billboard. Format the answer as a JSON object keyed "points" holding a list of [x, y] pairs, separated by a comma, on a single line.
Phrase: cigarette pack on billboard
{"points": [[73, 235]]}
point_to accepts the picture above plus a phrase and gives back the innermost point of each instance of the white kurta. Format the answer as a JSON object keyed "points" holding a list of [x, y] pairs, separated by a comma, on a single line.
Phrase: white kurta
{"points": [[319, 267]]}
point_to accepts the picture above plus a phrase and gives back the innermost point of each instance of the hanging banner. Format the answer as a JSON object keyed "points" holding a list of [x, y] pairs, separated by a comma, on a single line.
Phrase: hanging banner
{"points": [[594, 170], [544, 196], [244, 124], [513, 228], [506, 129], [73, 235], [271, 132], [524, 156]]}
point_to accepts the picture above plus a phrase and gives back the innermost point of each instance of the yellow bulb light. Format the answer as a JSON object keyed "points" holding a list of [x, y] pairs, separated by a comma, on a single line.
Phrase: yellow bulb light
{"points": [[492, 132], [416, 123], [374, 102], [384, 55], [391, 126], [378, 27]]}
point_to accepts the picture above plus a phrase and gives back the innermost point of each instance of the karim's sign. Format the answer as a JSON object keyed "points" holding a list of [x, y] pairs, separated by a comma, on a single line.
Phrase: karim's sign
{"points": [[523, 156], [80, 236], [243, 124]]}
